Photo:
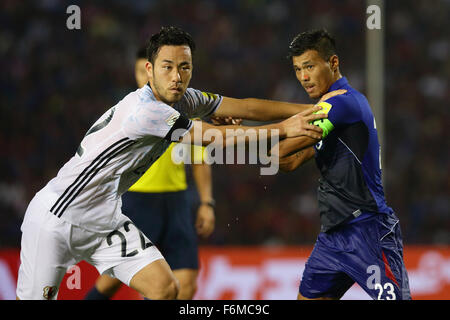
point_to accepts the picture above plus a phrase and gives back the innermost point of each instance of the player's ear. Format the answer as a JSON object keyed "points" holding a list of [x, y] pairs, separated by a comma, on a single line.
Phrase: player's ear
{"points": [[334, 62], [149, 68]]}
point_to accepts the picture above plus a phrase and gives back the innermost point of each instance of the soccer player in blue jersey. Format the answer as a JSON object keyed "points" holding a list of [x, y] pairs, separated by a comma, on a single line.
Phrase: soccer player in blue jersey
{"points": [[360, 239]]}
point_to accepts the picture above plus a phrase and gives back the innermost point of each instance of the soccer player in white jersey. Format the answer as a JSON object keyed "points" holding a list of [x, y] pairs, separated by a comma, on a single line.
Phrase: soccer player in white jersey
{"points": [[77, 215]]}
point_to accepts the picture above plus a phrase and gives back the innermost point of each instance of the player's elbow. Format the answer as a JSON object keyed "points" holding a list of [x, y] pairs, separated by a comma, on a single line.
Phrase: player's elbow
{"points": [[279, 157], [287, 167]]}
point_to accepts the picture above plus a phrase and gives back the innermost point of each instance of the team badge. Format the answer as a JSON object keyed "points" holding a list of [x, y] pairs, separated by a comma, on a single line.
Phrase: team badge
{"points": [[50, 292], [326, 107], [172, 119]]}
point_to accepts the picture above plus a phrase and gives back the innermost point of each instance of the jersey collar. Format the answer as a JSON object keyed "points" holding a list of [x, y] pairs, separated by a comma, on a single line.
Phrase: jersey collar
{"points": [[339, 84]]}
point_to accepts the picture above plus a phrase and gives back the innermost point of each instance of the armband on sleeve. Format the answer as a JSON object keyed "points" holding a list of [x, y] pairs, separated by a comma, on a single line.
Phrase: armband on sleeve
{"points": [[324, 124]]}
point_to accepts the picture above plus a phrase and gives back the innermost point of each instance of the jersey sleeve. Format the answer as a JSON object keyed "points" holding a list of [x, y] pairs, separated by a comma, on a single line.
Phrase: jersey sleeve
{"points": [[342, 110], [201, 104], [156, 119]]}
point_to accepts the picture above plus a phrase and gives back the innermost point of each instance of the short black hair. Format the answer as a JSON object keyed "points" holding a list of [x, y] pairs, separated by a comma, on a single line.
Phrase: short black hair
{"points": [[171, 36], [319, 40], [141, 53]]}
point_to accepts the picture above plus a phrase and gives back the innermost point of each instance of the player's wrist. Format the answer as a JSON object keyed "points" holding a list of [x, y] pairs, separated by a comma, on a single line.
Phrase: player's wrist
{"points": [[210, 203], [282, 129]]}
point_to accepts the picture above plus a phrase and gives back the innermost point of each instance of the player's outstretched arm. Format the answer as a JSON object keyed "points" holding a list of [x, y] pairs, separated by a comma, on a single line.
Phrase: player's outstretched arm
{"points": [[264, 110], [258, 109], [202, 133]]}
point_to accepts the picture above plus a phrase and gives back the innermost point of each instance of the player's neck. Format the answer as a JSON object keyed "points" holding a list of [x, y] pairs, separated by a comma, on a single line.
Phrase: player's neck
{"points": [[335, 78], [337, 75]]}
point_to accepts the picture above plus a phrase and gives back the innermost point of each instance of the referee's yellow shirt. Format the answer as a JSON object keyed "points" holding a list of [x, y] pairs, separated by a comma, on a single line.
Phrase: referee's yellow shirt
{"points": [[164, 175]]}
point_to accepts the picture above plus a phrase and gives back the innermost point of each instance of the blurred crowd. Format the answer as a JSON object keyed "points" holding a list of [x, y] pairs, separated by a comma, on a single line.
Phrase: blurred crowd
{"points": [[56, 82]]}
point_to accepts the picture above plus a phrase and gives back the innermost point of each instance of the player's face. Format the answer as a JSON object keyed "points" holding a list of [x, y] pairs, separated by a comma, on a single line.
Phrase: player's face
{"points": [[171, 73], [314, 73], [140, 73]]}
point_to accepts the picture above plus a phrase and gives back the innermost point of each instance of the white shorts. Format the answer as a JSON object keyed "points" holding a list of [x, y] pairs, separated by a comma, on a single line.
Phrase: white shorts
{"points": [[50, 245]]}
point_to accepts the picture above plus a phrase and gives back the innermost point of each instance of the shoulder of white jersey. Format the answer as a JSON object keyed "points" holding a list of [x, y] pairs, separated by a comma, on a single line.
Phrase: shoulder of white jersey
{"points": [[145, 94], [196, 103], [147, 116], [195, 95]]}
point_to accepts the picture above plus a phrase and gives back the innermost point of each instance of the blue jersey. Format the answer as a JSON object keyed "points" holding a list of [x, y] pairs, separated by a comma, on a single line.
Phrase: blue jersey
{"points": [[348, 158]]}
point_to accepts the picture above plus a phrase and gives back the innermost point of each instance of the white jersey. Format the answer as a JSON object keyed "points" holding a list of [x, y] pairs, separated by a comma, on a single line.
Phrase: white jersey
{"points": [[121, 145]]}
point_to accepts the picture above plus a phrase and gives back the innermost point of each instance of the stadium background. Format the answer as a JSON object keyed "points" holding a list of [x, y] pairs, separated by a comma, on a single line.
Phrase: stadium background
{"points": [[56, 82]]}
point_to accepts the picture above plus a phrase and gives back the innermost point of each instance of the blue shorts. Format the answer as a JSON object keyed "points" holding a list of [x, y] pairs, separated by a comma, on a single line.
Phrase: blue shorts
{"points": [[167, 220], [368, 252]]}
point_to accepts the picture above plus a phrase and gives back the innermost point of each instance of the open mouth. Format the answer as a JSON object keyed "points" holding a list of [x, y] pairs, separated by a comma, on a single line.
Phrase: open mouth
{"points": [[175, 90], [309, 88]]}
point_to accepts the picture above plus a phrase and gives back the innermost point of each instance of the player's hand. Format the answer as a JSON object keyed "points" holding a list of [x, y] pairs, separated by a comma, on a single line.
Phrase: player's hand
{"points": [[219, 121], [206, 220], [301, 124], [332, 94]]}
